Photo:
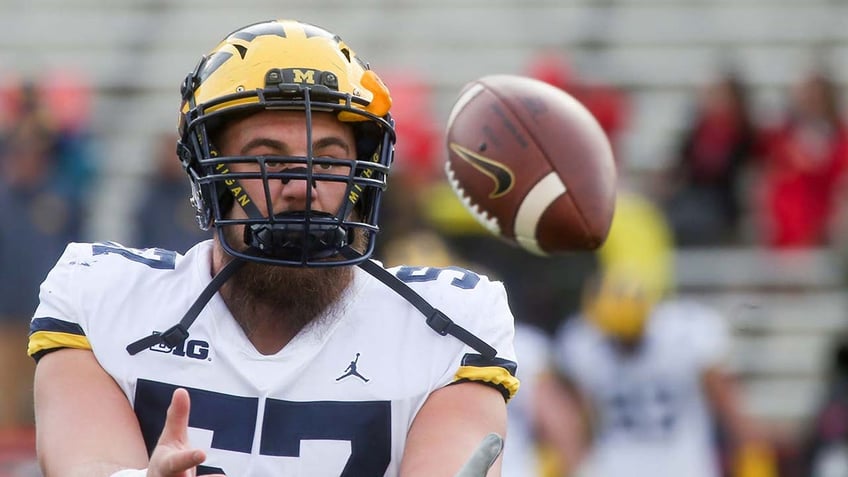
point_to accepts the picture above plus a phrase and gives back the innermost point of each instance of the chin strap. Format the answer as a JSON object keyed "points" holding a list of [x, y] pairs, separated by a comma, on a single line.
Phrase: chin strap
{"points": [[436, 320], [178, 333]]}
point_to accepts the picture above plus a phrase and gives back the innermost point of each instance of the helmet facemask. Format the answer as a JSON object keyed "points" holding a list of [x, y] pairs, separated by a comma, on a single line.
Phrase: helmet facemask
{"points": [[305, 237]]}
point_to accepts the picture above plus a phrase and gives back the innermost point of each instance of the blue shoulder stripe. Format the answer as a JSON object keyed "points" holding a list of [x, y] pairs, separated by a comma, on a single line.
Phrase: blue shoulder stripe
{"points": [[480, 361], [55, 325]]}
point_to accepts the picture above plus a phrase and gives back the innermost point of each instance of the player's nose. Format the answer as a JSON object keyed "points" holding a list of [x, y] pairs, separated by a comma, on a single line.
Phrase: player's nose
{"points": [[296, 190]]}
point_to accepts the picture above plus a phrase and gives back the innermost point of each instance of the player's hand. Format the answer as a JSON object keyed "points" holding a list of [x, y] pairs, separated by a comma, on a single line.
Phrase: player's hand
{"points": [[483, 457], [173, 457]]}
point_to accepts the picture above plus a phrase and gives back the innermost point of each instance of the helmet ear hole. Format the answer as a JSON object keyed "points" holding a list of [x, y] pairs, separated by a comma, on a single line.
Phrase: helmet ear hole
{"points": [[202, 213], [184, 154], [199, 194]]}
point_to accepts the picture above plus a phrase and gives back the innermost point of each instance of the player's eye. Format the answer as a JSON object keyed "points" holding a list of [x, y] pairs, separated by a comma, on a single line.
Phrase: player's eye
{"points": [[270, 162], [326, 163]]}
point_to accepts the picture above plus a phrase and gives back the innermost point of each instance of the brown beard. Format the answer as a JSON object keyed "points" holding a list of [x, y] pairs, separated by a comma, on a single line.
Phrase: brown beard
{"points": [[281, 299]]}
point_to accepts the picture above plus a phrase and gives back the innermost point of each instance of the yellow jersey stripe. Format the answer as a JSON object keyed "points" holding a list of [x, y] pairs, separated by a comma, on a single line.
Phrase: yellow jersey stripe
{"points": [[41, 341], [493, 375]]}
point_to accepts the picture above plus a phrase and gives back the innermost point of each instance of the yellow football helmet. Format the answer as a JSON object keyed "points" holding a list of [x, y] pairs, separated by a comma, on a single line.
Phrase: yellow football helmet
{"points": [[287, 65], [619, 303]]}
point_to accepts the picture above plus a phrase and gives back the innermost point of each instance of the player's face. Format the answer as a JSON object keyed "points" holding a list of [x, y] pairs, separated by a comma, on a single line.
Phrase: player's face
{"points": [[283, 133], [266, 287]]}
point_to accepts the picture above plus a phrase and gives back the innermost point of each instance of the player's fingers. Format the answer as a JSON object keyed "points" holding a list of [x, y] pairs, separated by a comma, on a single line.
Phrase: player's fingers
{"points": [[180, 461], [176, 421], [483, 457]]}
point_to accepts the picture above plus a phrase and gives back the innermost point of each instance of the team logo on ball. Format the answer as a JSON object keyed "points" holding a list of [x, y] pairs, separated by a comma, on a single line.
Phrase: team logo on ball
{"points": [[502, 175]]}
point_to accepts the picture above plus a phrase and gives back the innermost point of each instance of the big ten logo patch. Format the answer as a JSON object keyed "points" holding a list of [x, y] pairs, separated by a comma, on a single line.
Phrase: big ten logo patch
{"points": [[195, 349]]}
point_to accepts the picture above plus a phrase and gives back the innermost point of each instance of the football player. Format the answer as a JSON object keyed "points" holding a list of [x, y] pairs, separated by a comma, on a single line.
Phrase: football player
{"points": [[648, 377], [279, 348]]}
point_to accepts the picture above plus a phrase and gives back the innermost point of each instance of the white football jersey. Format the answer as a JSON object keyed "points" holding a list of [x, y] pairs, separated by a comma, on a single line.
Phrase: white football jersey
{"points": [[338, 400], [652, 414]]}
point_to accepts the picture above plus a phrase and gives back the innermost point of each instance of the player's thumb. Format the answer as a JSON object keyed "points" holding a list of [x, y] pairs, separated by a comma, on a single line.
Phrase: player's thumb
{"points": [[176, 421], [483, 457]]}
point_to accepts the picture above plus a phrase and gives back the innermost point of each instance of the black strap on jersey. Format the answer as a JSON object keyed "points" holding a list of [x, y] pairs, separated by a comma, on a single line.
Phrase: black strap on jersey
{"points": [[436, 320], [178, 333]]}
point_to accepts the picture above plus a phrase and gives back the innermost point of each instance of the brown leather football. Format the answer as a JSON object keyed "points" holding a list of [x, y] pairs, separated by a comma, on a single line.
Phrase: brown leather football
{"points": [[531, 164]]}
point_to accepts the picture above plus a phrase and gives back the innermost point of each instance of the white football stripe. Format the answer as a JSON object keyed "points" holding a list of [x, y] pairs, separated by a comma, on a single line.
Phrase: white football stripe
{"points": [[483, 217], [462, 101], [538, 199]]}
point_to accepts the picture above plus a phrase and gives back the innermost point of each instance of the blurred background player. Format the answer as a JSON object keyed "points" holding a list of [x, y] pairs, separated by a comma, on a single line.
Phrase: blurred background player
{"points": [[523, 456], [648, 377], [824, 450]]}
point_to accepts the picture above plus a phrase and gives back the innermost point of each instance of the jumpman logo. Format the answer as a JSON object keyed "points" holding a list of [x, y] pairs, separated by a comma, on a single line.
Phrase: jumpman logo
{"points": [[351, 371]]}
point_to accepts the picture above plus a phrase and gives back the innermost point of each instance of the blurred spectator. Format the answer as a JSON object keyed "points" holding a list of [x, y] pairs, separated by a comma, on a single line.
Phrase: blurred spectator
{"points": [[162, 217], [416, 164], [825, 450], [419, 147], [38, 219], [702, 190], [61, 99], [67, 96], [647, 375], [11, 100], [804, 161], [609, 105]]}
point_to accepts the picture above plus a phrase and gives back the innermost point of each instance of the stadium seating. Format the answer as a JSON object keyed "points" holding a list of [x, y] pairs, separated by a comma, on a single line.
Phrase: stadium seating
{"points": [[785, 308]]}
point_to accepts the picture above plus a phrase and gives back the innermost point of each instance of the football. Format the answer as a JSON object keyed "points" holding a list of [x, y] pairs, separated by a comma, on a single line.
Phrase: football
{"points": [[531, 164]]}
